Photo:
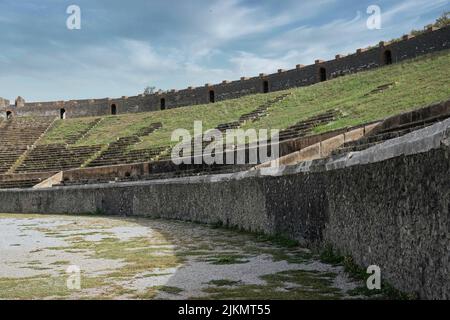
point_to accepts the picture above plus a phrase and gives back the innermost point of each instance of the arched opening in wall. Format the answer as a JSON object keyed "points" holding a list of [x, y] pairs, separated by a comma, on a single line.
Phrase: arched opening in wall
{"points": [[8, 115], [62, 114], [323, 74], [212, 96], [113, 109], [387, 57], [266, 86], [163, 104]]}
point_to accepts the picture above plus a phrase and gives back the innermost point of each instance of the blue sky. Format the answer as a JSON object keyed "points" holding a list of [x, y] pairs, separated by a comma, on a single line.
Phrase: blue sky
{"points": [[123, 46]]}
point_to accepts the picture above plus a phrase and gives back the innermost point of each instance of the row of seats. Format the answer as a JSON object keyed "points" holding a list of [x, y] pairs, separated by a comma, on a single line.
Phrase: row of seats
{"points": [[17, 136], [56, 157]]}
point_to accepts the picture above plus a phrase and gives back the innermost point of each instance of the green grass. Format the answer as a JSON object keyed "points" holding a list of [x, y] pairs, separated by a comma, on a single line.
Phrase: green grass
{"points": [[416, 83], [170, 290], [223, 283], [333, 257], [227, 259], [305, 285], [64, 129], [33, 288]]}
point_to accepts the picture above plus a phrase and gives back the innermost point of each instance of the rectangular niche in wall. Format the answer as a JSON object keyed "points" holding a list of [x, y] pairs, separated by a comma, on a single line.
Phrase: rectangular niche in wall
{"points": [[266, 86], [323, 74]]}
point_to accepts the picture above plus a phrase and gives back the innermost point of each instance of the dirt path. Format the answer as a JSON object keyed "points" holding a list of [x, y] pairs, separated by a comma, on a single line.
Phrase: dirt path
{"points": [[127, 258]]}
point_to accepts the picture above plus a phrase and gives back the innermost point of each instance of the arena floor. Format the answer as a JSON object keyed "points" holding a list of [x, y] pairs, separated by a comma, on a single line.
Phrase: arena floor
{"points": [[127, 258]]}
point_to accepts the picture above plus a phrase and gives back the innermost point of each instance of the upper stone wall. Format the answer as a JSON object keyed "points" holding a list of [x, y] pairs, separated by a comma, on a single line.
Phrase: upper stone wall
{"points": [[363, 59]]}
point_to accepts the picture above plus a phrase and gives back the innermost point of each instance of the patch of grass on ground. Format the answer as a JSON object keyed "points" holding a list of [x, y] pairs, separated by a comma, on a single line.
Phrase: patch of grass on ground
{"points": [[288, 285], [170, 290], [136, 256], [139, 254], [330, 256], [223, 283], [60, 263], [153, 275], [280, 248], [152, 292], [33, 288], [227, 259], [278, 240]]}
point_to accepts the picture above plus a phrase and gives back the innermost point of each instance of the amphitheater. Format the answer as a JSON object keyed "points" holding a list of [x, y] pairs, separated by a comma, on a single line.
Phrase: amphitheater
{"points": [[362, 179]]}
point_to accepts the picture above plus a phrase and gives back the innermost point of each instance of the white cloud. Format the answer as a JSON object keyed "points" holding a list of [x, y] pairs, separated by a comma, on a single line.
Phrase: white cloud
{"points": [[307, 43], [250, 64], [230, 20], [411, 9], [215, 40]]}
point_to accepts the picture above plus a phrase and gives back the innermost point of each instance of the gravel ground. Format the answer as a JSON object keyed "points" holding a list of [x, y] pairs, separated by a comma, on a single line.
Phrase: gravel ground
{"points": [[127, 258]]}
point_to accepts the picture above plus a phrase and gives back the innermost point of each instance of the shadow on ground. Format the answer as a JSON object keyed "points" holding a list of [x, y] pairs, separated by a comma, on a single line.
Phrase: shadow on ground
{"points": [[139, 258]]}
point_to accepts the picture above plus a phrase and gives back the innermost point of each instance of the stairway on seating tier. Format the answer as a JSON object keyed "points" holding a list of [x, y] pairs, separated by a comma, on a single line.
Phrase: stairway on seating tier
{"points": [[76, 136], [255, 115], [305, 127], [118, 153], [17, 135]]}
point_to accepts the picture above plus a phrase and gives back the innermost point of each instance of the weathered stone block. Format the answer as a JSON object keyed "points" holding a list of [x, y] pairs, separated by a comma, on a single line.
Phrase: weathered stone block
{"points": [[354, 135], [329, 145]]}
